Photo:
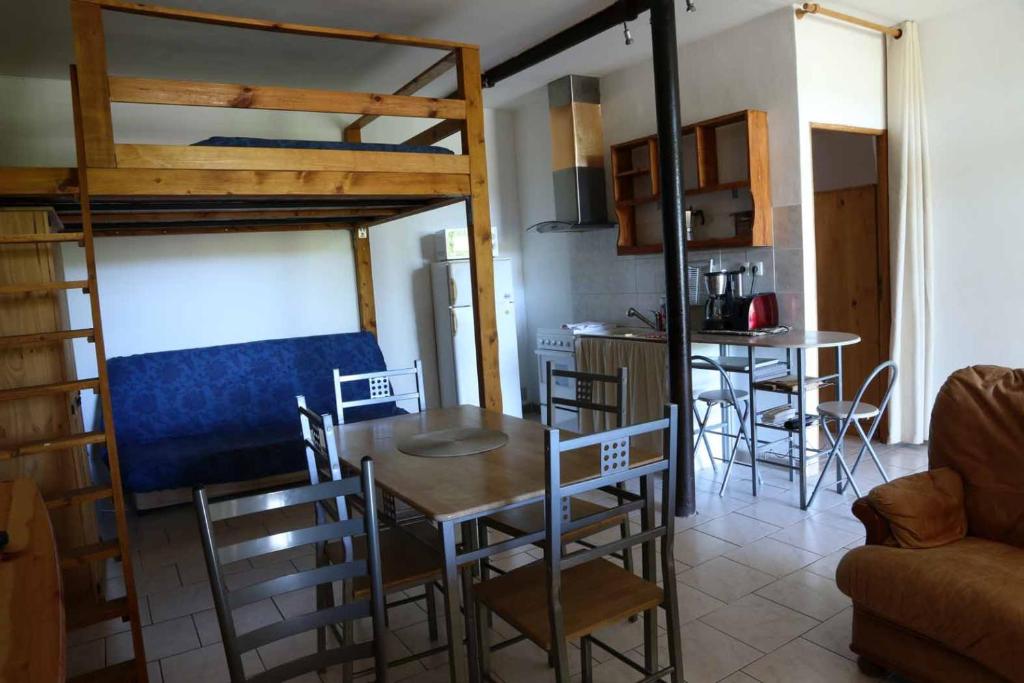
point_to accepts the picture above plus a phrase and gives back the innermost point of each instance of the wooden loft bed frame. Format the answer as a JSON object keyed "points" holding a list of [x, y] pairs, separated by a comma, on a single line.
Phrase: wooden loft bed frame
{"points": [[139, 189]]}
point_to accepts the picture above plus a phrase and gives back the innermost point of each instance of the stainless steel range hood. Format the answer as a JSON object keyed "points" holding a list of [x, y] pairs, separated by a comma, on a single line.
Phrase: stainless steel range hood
{"points": [[577, 157]]}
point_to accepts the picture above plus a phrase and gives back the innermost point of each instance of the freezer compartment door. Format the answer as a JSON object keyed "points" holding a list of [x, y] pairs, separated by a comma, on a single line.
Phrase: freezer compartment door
{"points": [[460, 284]]}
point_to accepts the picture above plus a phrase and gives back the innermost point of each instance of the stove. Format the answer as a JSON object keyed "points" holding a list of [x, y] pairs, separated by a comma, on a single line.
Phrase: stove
{"points": [[556, 339], [557, 346]]}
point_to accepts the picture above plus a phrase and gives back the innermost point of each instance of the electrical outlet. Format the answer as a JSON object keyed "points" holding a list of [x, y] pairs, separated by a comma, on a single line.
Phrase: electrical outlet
{"points": [[756, 268]]}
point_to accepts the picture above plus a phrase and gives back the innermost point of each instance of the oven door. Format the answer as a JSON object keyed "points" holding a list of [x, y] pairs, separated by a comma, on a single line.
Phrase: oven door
{"points": [[564, 418]]}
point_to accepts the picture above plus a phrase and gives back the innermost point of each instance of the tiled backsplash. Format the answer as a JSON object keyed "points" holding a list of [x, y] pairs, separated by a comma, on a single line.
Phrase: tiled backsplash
{"points": [[605, 285]]}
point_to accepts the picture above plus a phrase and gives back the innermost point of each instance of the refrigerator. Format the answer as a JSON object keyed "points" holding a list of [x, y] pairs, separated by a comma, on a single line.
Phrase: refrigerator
{"points": [[456, 344]]}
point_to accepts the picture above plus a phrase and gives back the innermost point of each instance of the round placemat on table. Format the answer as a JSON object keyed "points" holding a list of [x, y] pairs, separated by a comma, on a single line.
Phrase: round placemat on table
{"points": [[453, 442]]}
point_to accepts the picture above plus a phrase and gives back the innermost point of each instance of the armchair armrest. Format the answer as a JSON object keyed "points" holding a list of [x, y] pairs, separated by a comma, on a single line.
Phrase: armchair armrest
{"points": [[877, 527], [922, 510]]}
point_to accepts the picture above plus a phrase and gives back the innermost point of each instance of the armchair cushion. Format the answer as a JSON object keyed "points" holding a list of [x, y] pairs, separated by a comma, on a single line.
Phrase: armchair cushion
{"points": [[924, 510], [967, 595], [977, 428]]}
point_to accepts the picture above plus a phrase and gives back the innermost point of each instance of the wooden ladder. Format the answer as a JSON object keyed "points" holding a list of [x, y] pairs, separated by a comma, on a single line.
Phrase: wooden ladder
{"points": [[99, 610]]}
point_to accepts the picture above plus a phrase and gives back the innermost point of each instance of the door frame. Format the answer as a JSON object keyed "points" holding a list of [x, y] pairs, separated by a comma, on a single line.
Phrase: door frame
{"points": [[884, 262]]}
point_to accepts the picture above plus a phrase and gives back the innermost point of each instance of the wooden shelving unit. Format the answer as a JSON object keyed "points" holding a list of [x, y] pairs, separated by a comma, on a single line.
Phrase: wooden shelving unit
{"points": [[635, 180]]}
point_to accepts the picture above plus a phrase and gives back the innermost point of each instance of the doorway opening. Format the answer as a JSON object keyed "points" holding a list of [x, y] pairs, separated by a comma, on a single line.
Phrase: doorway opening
{"points": [[851, 226]]}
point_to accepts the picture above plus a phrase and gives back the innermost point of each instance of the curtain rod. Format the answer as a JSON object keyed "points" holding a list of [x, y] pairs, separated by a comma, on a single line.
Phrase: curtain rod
{"points": [[816, 8]]}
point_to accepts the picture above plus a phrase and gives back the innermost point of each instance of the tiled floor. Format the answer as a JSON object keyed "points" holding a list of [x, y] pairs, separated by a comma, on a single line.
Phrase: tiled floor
{"points": [[756, 584]]}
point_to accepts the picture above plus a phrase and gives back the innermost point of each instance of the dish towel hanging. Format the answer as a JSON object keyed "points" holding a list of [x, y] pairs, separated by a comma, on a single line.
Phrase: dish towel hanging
{"points": [[910, 209]]}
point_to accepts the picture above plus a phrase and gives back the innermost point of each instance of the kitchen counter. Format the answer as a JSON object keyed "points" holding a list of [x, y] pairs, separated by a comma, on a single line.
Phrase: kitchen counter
{"points": [[794, 339]]}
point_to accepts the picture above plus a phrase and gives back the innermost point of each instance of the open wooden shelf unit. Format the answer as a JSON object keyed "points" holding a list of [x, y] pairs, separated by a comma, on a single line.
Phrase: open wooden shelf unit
{"points": [[635, 180]]}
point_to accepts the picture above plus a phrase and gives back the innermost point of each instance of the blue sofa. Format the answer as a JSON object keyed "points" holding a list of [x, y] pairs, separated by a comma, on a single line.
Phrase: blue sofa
{"points": [[227, 413]]}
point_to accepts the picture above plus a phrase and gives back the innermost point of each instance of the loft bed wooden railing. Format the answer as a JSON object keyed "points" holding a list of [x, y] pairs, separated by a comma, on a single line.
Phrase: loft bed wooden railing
{"points": [[143, 189], [140, 189]]}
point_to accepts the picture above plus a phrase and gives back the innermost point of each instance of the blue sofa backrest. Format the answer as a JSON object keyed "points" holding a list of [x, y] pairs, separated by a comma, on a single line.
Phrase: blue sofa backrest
{"points": [[238, 387]]}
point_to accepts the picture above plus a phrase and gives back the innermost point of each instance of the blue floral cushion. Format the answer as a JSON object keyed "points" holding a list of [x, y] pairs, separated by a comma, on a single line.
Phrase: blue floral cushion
{"points": [[228, 413]]}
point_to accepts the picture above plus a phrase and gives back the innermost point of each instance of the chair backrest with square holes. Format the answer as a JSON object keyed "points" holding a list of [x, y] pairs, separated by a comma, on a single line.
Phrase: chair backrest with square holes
{"points": [[590, 392], [380, 390], [327, 616]]}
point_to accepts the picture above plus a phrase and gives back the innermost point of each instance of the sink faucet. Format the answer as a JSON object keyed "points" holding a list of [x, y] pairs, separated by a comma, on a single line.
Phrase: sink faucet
{"points": [[633, 313]]}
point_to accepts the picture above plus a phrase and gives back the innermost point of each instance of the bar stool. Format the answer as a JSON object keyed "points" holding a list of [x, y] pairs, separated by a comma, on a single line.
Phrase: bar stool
{"points": [[729, 397], [847, 414]]}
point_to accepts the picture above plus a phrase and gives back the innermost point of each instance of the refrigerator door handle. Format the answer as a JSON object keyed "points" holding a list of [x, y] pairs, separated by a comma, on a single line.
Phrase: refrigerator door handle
{"points": [[453, 291], [455, 320]]}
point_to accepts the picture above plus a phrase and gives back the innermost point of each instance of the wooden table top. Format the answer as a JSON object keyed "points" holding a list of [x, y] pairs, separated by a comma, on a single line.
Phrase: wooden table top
{"points": [[794, 339], [456, 487], [31, 607]]}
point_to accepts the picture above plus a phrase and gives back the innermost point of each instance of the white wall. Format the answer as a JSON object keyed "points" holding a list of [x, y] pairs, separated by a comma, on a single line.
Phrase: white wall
{"points": [[546, 272], [841, 80], [162, 293], [579, 276], [750, 66], [974, 95], [403, 250]]}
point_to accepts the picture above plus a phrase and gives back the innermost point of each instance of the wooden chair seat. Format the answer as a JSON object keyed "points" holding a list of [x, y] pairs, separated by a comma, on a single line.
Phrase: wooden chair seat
{"points": [[406, 562], [594, 594], [530, 518]]}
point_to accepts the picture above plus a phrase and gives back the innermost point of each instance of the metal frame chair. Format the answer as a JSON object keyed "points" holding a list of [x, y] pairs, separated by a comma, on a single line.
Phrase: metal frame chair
{"points": [[584, 400], [381, 391], [322, 577], [728, 396], [325, 464], [850, 413], [516, 595]]}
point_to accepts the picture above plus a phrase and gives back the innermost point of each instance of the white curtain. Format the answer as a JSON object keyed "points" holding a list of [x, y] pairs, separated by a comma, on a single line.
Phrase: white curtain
{"points": [[910, 207]]}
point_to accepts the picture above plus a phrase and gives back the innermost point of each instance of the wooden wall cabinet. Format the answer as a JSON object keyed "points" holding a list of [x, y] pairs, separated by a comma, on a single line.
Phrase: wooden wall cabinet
{"points": [[635, 182], [635, 163]]}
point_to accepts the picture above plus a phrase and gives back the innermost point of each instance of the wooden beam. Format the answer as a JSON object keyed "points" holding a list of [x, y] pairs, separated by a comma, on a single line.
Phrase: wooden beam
{"points": [[436, 133], [239, 96], [117, 182], [274, 159], [413, 210], [478, 220], [38, 181], [272, 26], [429, 75], [214, 229], [364, 280], [105, 402], [94, 91], [843, 128], [213, 216]]}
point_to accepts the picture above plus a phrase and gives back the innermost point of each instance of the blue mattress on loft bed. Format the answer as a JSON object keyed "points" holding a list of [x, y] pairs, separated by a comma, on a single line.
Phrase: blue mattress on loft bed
{"points": [[221, 141]]}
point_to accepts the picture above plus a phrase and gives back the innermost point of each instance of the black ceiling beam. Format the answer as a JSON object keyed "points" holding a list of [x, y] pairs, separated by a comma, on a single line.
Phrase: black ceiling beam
{"points": [[613, 15]]}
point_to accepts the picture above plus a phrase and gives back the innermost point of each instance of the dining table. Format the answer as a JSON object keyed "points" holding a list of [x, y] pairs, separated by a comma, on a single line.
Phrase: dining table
{"points": [[454, 492], [795, 344]]}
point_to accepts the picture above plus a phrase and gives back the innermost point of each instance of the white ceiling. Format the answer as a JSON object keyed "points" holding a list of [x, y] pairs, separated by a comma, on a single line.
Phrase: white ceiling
{"points": [[35, 39]]}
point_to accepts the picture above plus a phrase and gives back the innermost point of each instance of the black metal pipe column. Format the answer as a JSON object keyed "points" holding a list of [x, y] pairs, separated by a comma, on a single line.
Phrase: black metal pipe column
{"points": [[666, 104]]}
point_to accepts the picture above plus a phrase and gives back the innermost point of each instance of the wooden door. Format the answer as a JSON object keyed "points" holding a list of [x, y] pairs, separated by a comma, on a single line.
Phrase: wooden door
{"points": [[850, 297]]}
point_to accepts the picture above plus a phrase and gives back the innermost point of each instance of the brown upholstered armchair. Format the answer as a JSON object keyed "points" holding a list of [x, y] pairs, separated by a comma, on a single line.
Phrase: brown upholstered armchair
{"points": [[938, 590]]}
